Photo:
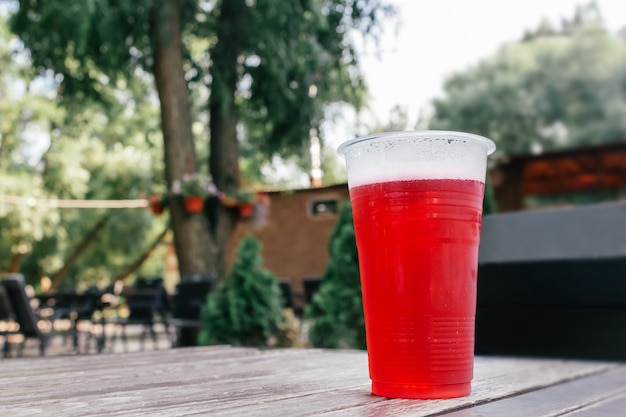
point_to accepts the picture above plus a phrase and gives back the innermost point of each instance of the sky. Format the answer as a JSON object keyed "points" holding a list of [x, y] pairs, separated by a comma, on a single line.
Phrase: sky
{"points": [[431, 39]]}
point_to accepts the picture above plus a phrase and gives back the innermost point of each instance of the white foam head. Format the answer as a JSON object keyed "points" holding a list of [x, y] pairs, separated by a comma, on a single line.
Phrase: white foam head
{"points": [[400, 156]]}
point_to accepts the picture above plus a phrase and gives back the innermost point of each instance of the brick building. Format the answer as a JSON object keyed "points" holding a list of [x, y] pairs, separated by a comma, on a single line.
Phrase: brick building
{"points": [[295, 235]]}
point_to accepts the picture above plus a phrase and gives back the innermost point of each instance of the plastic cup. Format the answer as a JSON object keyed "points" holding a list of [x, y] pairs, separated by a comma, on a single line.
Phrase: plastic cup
{"points": [[417, 207]]}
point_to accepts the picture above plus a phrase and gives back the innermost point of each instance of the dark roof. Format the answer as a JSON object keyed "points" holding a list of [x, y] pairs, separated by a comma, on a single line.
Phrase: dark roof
{"points": [[582, 232]]}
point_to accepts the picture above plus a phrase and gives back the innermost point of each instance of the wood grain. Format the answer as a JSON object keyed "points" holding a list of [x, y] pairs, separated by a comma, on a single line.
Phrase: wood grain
{"points": [[229, 381], [596, 395]]}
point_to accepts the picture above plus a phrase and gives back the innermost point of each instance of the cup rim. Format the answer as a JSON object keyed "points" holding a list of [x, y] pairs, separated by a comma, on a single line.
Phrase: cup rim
{"points": [[417, 134]]}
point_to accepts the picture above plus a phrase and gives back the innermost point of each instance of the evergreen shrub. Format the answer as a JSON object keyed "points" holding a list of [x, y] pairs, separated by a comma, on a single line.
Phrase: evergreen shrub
{"points": [[245, 309], [336, 311]]}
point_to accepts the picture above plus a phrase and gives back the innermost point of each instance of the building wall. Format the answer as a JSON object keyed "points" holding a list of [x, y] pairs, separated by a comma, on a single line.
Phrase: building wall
{"points": [[295, 235]]}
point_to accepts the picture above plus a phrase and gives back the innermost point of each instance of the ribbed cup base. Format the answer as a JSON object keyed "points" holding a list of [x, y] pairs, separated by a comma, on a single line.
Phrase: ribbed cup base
{"points": [[422, 392]]}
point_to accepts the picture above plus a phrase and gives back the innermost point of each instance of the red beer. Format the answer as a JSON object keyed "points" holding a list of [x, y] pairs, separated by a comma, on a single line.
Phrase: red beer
{"points": [[418, 254], [417, 208]]}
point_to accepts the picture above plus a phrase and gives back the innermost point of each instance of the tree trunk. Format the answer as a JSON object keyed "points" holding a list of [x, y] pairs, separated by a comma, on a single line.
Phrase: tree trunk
{"points": [[191, 237], [16, 261], [224, 156], [60, 275]]}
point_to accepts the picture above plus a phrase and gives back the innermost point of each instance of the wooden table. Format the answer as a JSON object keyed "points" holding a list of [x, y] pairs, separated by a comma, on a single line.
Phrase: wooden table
{"points": [[225, 381]]}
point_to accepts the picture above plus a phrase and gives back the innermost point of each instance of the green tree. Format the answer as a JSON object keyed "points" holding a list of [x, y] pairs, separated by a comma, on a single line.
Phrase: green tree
{"points": [[490, 205], [271, 65], [99, 168], [25, 113], [246, 309], [337, 308], [114, 155], [555, 89], [275, 66], [95, 152], [92, 45]]}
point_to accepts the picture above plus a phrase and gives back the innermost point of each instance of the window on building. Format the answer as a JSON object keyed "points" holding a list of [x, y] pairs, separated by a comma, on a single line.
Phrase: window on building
{"points": [[328, 207]]}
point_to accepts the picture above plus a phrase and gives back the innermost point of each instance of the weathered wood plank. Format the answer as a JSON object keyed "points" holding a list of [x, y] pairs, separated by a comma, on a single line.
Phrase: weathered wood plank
{"points": [[594, 396], [495, 378], [230, 381], [608, 408]]}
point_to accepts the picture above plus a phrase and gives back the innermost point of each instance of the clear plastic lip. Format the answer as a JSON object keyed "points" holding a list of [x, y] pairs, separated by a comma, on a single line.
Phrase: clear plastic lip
{"points": [[490, 146]]}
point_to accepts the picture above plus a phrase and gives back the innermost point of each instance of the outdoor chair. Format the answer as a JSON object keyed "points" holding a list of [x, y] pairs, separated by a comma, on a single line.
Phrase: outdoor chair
{"points": [[187, 303], [59, 301], [311, 285], [6, 313], [79, 308], [6, 319], [82, 308], [148, 304], [31, 326], [287, 293]]}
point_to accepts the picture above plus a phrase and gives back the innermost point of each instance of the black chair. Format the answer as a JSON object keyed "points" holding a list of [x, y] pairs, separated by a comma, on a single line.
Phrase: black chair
{"points": [[6, 319], [287, 293], [29, 323], [148, 304], [6, 312], [88, 307], [79, 308], [189, 299], [187, 303], [90, 301], [311, 285]]}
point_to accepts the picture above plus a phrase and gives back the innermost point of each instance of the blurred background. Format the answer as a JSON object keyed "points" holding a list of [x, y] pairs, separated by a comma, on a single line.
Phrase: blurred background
{"points": [[112, 115]]}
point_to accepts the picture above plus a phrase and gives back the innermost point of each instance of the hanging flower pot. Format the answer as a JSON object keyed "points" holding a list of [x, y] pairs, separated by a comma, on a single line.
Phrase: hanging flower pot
{"points": [[193, 188], [246, 210], [193, 203], [155, 202]]}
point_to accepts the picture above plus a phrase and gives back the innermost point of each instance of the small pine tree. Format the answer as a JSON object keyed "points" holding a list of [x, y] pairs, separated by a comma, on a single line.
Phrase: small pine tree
{"points": [[246, 309], [489, 203], [337, 308]]}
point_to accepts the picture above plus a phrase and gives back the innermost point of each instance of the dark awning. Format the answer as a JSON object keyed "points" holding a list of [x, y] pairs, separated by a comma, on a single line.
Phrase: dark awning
{"points": [[581, 232]]}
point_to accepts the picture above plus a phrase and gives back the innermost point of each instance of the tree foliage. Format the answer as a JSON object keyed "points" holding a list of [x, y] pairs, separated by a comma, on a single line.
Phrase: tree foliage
{"points": [[337, 308], [272, 65], [246, 309], [490, 205], [297, 58], [554, 89], [87, 45], [23, 109], [87, 151]]}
